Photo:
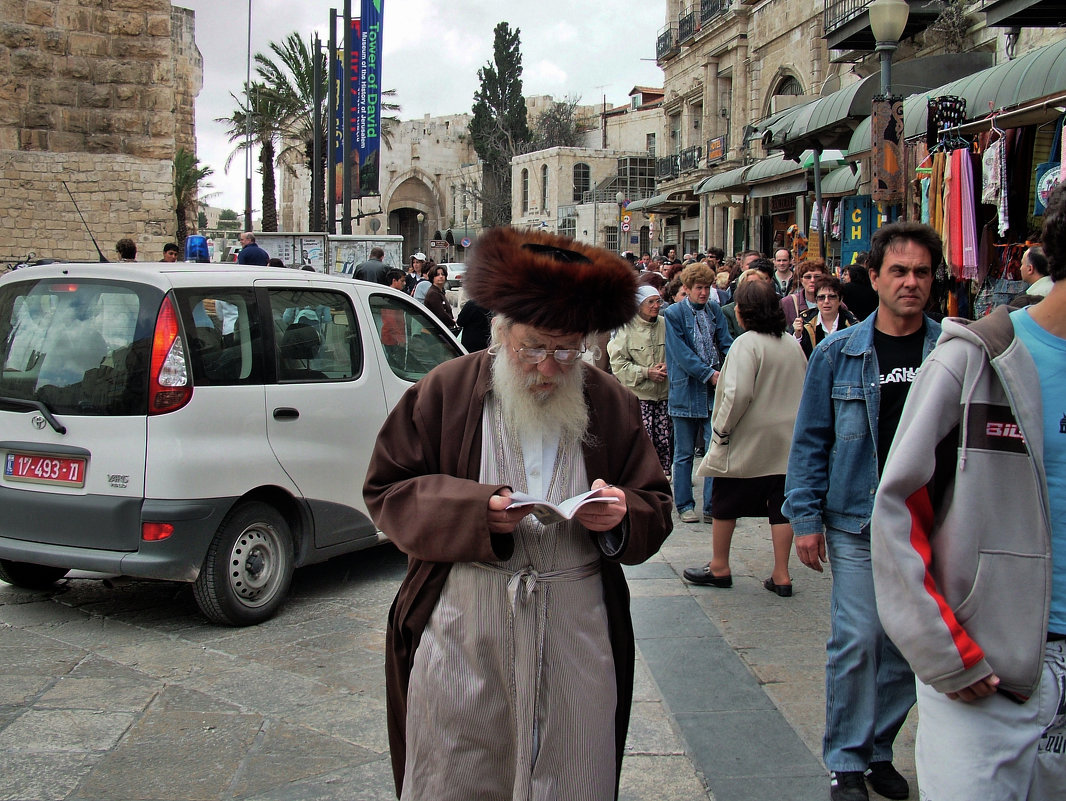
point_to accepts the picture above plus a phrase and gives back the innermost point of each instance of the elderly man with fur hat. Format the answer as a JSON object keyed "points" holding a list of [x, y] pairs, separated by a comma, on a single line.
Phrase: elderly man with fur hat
{"points": [[509, 647]]}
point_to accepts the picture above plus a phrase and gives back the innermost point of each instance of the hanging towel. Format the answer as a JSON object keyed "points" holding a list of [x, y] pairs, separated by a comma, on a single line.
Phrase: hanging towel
{"points": [[967, 218]]}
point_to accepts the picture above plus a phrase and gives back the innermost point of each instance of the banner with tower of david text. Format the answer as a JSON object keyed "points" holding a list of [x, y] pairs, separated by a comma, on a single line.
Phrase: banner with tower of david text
{"points": [[366, 102]]}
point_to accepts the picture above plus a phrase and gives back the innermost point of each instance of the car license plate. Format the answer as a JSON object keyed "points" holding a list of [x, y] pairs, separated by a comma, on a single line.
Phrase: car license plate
{"points": [[45, 469]]}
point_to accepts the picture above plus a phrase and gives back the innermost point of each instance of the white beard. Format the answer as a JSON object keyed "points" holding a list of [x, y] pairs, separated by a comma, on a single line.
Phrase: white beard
{"points": [[530, 414]]}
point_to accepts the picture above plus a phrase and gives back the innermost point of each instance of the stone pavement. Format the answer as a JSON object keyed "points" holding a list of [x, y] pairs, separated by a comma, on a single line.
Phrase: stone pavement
{"points": [[740, 671], [122, 691]]}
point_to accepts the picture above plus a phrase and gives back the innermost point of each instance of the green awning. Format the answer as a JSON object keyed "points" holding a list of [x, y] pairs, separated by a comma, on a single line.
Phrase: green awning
{"points": [[667, 202], [841, 181], [1038, 74], [829, 121], [772, 167], [723, 181], [654, 200]]}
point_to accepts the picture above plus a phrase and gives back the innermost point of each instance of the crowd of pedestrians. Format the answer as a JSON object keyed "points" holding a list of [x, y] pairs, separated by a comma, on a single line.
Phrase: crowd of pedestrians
{"points": [[821, 403]]}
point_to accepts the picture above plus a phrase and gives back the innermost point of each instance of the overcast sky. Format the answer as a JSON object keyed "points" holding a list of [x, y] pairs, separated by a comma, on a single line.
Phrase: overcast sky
{"points": [[432, 52]]}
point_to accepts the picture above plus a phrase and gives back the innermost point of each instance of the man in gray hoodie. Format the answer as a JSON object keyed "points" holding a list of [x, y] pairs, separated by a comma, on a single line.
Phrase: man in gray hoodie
{"points": [[969, 548]]}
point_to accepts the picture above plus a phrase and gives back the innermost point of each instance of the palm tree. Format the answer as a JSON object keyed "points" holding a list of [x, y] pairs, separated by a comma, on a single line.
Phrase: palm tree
{"points": [[188, 181], [289, 76], [264, 124]]}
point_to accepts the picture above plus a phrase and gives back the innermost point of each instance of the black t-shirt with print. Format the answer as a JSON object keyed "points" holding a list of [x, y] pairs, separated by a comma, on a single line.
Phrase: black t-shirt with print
{"points": [[898, 360]]}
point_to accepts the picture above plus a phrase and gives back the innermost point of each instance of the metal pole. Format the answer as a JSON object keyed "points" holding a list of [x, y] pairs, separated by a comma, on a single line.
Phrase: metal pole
{"points": [[331, 169], [248, 130], [316, 147], [886, 49], [818, 201], [346, 126]]}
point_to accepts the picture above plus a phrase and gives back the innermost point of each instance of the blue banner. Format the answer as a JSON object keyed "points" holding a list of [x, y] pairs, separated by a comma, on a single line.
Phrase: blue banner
{"points": [[366, 101], [336, 74]]}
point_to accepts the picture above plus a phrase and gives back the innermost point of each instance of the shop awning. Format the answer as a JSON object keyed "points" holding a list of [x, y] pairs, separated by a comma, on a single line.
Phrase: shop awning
{"points": [[829, 121], [842, 181], [776, 175], [1014, 89], [665, 203], [723, 181]]}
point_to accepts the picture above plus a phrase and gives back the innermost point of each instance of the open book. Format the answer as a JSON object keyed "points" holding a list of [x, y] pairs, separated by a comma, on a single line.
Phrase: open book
{"points": [[549, 513]]}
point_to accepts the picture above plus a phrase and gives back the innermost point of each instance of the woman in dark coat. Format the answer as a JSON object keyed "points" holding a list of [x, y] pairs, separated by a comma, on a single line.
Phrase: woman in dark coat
{"points": [[436, 301]]}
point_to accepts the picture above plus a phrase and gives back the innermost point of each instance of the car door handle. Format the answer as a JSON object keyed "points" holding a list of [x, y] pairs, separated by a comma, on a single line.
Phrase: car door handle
{"points": [[286, 413]]}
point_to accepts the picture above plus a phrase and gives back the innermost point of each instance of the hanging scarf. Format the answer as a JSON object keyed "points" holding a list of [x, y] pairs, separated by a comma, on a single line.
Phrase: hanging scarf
{"points": [[967, 222], [702, 335]]}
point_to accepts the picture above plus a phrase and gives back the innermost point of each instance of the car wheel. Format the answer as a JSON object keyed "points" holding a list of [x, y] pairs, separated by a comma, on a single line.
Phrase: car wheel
{"points": [[30, 577], [248, 568]]}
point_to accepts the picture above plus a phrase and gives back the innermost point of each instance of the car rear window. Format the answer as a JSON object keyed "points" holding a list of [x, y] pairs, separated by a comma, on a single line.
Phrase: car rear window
{"points": [[413, 341], [79, 346]]}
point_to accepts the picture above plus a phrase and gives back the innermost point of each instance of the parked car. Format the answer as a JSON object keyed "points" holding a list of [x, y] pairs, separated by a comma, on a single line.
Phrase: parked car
{"points": [[192, 422]]}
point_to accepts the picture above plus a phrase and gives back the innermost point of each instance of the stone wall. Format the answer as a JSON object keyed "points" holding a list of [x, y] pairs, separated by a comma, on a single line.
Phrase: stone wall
{"points": [[97, 93]]}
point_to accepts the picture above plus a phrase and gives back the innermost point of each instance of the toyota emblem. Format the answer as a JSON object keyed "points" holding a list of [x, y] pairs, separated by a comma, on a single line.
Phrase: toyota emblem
{"points": [[38, 422]]}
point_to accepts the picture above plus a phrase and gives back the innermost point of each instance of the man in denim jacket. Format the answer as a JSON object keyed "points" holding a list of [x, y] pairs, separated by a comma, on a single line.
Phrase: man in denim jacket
{"points": [[853, 395]]}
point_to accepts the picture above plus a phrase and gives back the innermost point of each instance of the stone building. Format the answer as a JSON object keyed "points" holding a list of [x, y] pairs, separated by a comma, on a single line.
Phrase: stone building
{"points": [[735, 167], [98, 96]]}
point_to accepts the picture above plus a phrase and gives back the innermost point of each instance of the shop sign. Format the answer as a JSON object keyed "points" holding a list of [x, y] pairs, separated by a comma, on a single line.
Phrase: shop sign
{"points": [[782, 204], [860, 216], [716, 149]]}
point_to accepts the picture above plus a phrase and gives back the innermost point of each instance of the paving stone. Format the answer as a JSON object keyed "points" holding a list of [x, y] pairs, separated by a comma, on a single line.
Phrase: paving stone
{"points": [[33, 777], [285, 754], [371, 781], [662, 778], [16, 690], [650, 730], [43, 730], [100, 694], [174, 756]]}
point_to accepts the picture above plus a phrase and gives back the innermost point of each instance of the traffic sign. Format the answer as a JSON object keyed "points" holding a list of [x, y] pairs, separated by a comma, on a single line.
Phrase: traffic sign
{"points": [[438, 243], [625, 226], [465, 242], [625, 218]]}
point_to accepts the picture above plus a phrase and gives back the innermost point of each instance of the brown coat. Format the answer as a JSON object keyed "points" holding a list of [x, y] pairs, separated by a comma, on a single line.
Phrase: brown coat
{"points": [[422, 490]]}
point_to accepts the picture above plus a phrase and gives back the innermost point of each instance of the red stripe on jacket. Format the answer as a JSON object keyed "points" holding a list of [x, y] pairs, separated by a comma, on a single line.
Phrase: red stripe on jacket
{"points": [[921, 510]]}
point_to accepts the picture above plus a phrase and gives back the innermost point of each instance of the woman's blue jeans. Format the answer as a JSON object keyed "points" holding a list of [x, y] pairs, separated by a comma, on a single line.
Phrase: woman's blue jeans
{"points": [[685, 433]]}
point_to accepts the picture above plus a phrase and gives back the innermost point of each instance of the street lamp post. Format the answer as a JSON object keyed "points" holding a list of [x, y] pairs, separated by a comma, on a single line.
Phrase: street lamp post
{"points": [[466, 234], [888, 18], [421, 219], [619, 198]]}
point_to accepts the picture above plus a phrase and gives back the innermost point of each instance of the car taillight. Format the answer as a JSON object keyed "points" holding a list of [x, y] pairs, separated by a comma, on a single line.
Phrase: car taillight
{"points": [[170, 388], [154, 532]]}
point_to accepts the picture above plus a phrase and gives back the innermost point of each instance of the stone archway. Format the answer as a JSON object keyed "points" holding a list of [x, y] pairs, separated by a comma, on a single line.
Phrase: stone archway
{"points": [[411, 197]]}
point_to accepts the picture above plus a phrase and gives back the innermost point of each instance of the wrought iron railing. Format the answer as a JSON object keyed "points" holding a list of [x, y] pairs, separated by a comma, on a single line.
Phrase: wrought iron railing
{"points": [[840, 12], [689, 158], [686, 25], [709, 9], [667, 45], [666, 168]]}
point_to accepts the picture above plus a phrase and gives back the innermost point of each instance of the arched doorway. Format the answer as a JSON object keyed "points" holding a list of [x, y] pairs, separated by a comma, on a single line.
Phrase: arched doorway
{"points": [[409, 200]]}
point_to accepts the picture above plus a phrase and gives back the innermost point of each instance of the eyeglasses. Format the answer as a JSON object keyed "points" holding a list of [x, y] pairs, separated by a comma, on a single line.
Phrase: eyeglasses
{"points": [[537, 355], [820, 298], [654, 301], [810, 276]]}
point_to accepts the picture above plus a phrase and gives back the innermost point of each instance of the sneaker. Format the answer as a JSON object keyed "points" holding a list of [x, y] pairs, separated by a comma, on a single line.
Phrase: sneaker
{"points": [[887, 781], [690, 516], [848, 785]]}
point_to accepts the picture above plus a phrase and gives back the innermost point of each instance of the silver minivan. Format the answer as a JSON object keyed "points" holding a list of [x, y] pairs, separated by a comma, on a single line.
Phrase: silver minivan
{"points": [[194, 422]]}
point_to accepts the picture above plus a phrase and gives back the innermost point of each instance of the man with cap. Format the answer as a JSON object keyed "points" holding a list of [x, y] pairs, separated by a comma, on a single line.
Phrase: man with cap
{"points": [[638, 360], [509, 647]]}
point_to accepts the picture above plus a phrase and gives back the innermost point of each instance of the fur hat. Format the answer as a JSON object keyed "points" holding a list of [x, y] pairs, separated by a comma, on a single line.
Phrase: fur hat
{"points": [[550, 282]]}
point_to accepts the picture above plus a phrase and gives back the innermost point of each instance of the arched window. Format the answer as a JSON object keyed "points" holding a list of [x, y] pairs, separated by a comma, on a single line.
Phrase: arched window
{"points": [[582, 182], [544, 189], [789, 86], [525, 191]]}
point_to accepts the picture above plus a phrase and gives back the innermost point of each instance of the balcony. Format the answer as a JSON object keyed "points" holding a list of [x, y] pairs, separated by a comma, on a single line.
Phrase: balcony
{"points": [[847, 22], [667, 168], [667, 45], [686, 26], [689, 158], [1022, 13], [709, 9]]}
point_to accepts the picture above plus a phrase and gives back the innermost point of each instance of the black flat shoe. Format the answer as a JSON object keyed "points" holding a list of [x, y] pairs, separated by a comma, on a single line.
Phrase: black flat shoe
{"points": [[704, 576], [784, 590]]}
